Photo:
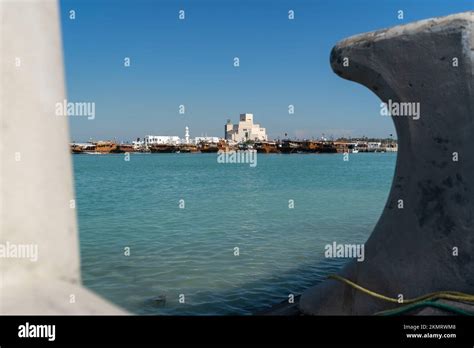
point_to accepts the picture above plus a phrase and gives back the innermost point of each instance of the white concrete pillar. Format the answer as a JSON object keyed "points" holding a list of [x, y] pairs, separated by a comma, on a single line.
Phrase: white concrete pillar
{"points": [[36, 179]]}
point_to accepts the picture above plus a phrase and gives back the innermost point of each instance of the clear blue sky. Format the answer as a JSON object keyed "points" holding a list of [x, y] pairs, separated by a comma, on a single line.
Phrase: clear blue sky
{"points": [[190, 62]]}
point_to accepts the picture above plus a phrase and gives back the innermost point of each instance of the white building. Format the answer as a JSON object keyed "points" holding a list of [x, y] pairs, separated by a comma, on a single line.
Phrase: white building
{"points": [[372, 146], [214, 140], [197, 140], [393, 147], [173, 140], [245, 130], [137, 144], [162, 139]]}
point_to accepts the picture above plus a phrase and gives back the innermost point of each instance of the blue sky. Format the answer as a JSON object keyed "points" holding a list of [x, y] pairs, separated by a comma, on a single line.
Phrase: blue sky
{"points": [[190, 62]]}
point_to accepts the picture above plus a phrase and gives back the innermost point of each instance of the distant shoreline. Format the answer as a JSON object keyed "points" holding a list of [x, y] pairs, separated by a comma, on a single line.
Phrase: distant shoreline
{"points": [[215, 153], [281, 146]]}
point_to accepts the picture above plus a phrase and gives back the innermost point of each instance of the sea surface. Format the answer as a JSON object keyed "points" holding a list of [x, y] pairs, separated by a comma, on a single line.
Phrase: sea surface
{"points": [[181, 216]]}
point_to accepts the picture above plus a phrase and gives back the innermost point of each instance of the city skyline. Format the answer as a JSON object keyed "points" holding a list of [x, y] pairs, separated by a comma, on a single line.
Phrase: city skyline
{"points": [[190, 62]]}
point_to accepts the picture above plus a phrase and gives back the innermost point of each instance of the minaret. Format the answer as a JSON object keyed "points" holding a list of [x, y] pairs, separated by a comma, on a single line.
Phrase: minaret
{"points": [[186, 135]]}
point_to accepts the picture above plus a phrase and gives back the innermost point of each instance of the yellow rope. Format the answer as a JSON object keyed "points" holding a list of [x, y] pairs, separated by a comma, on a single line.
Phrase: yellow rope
{"points": [[448, 295]]}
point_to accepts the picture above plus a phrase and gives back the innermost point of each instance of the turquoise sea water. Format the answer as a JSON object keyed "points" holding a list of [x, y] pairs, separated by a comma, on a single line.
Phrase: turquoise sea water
{"points": [[190, 251]]}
